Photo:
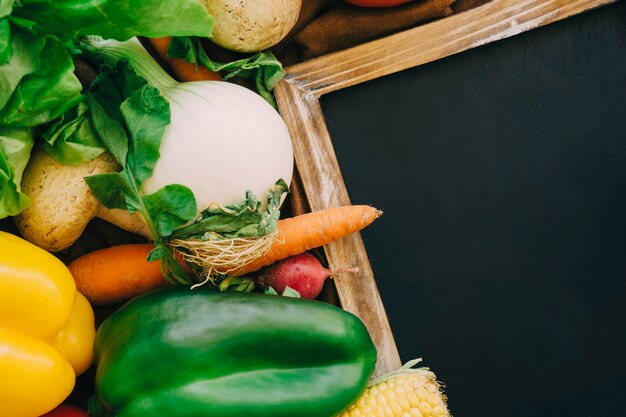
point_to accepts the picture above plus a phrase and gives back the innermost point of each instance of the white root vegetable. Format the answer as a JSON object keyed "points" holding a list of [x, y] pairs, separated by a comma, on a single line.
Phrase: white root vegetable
{"points": [[252, 25], [223, 139]]}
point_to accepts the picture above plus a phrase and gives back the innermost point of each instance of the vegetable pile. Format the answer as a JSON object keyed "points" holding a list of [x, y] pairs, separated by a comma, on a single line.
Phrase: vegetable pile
{"points": [[222, 312]]}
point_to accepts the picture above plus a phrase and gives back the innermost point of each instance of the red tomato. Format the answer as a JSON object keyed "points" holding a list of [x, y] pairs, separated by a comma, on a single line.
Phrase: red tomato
{"points": [[378, 3], [66, 410]]}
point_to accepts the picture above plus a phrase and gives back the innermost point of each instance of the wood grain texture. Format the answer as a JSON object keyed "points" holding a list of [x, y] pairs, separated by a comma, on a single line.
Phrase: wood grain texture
{"points": [[298, 100], [493, 21]]}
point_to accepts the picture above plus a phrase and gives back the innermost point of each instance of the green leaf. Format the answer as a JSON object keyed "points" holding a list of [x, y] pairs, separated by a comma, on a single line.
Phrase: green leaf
{"points": [[45, 93], [71, 139], [290, 292], [146, 114], [110, 130], [155, 254], [263, 67], [24, 60], [245, 219], [112, 190], [117, 19], [129, 116], [172, 206], [15, 147], [6, 49], [270, 291], [6, 7]]}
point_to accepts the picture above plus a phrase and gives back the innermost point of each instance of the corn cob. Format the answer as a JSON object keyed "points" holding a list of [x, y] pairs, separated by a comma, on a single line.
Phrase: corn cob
{"points": [[406, 392]]}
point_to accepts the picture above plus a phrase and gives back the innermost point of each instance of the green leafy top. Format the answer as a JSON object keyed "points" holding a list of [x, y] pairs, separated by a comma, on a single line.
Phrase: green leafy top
{"points": [[263, 67], [244, 219]]}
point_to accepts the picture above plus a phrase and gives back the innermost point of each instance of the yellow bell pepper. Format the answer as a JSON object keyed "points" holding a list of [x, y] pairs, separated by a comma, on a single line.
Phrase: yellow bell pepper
{"points": [[47, 329]]}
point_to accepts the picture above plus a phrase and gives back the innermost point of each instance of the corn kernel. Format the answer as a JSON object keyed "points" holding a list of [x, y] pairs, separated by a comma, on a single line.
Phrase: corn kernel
{"points": [[425, 408], [413, 399], [439, 411], [402, 401], [416, 413]]}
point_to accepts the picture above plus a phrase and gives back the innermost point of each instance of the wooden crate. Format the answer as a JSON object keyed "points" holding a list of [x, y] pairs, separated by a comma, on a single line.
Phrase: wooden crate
{"points": [[298, 97]]}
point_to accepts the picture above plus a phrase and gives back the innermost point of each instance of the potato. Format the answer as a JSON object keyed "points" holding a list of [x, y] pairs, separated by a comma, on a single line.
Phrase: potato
{"points": [[252, 25], [61, 202]]}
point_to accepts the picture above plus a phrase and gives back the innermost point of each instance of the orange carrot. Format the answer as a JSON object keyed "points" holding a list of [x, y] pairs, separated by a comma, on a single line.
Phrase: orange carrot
{"points": [[184, 70], [117, 273], [312, 230]]}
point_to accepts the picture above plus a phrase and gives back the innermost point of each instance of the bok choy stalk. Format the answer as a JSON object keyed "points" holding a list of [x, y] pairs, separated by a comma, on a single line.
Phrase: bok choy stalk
{"points": [[189, 152]]}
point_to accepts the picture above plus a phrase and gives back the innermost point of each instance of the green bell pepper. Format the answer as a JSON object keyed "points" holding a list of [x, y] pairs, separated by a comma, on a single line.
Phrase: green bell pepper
{"points": [[198, 353]]}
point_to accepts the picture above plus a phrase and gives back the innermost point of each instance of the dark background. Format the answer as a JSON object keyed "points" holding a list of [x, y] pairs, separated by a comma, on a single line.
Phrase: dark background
{"points": [[501, 254]]}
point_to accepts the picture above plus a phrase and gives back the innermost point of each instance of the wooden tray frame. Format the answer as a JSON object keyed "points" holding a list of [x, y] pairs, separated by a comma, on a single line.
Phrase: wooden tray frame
{"points": [[298, 96]]}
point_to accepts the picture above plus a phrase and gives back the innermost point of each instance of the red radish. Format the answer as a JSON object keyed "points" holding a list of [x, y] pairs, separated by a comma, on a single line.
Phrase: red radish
{"points": [[303, 273]]}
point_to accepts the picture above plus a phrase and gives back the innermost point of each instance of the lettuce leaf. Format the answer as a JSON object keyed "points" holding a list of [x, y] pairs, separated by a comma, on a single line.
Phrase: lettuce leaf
{"points": [[116, 19], [6, 49], [15, 147], [72, 138], [46, 84], [25, 60]]}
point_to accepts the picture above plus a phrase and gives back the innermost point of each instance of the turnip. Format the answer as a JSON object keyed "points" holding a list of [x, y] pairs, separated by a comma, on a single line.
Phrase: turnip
{"points": [[303, 273]]}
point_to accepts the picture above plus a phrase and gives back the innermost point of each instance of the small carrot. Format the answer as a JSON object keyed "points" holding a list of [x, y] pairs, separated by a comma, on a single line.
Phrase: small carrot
{"points": [[117, 273], [185, 71], [312, 230]]}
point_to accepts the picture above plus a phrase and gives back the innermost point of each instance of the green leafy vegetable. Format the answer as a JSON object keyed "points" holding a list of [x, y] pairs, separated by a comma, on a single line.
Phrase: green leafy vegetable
{"points": [[45, 93], [263, 67], [72, 138], [15, 147], [132, 116], [5, 7], [116, 19], [25, 60], [5, 40]]}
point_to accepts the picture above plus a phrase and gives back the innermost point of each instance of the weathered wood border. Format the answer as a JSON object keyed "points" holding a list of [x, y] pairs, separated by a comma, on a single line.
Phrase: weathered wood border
{"points": [[298, 98]]}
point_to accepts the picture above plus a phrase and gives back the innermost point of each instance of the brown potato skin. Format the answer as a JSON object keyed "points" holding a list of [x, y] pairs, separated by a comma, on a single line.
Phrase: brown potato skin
{"points": [[252, 25]]}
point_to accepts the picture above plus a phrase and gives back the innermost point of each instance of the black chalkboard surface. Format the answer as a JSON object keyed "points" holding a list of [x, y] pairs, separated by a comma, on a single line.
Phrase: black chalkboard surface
{"points": [[501, 256]]}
